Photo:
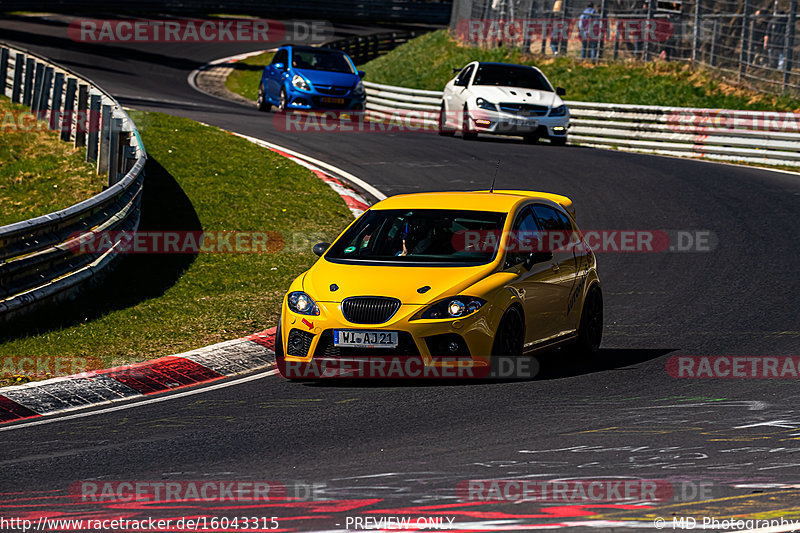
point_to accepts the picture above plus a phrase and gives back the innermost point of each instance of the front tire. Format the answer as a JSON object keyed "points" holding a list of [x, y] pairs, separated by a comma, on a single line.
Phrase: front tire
{"points": [[444, 130], [590, 330], [510, 336], [558, 141], [466, 129], [283, 102], [280, 354], [262, 103]]}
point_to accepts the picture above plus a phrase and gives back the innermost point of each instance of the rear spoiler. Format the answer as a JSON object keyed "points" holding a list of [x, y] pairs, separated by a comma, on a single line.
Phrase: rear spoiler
{"points": [[563, 201]]}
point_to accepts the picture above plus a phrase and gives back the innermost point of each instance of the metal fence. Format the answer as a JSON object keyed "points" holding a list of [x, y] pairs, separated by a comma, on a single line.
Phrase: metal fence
{"points": [[40, 261], [716, 134], [748, 40], [365, 48]]}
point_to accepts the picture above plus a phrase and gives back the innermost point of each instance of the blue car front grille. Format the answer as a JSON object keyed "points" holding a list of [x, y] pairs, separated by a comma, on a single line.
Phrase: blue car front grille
{"points": [[332, 90]]}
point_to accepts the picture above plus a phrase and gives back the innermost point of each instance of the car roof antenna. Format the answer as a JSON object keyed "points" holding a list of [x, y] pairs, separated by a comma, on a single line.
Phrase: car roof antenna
{"points": [[495, 175]]}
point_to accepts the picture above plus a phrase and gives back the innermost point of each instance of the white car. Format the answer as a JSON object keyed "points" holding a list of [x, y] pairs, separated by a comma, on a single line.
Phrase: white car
{"points": [[503, 99]]}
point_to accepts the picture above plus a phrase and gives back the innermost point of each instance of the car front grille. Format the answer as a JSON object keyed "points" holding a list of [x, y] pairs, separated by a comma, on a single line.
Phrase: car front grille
{"points": [[326, 349], [369, 309], [527, 110], [332, 90]]}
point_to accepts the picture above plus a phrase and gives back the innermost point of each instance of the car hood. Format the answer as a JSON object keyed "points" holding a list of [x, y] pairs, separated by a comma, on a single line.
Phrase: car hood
{"points": [[324, 77], [399, 282], [516, 95]]}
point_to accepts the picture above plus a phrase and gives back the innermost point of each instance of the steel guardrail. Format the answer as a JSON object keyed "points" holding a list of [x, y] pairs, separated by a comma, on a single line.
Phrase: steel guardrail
{"points": [[762, 137], [40, 260]]}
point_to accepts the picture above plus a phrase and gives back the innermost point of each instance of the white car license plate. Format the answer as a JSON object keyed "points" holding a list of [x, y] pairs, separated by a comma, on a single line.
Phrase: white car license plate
{"points": [[523, 122], [364, 339]]}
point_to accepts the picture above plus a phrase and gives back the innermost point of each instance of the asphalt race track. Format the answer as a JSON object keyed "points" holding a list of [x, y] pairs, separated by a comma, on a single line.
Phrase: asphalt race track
{"points": [[400, 449]]}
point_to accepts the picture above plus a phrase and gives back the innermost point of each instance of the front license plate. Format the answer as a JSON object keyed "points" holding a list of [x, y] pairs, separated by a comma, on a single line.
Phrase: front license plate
{"points": [[364, 339], [523, 122], [328, 100]]}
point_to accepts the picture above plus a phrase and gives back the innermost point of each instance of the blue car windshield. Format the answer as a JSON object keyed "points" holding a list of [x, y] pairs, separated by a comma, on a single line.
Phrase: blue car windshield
{"points": [[420, 236], [508, 76], [328, 60]]}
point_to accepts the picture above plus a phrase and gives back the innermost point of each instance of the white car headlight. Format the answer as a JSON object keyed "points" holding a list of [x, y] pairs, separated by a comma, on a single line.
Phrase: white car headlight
{"points": [[299, 82], [559, 111], [485, 104]]}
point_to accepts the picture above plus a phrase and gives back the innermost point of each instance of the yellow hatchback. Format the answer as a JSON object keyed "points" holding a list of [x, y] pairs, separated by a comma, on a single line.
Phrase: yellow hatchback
{"points": [[446, 280]]}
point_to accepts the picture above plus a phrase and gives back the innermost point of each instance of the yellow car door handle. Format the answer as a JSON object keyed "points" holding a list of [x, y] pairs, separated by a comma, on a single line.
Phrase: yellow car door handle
{"points": [[556, 268]]}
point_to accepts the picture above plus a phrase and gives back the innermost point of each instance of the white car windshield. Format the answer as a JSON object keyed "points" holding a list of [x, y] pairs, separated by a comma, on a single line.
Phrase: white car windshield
{"points": [[511, 76]]}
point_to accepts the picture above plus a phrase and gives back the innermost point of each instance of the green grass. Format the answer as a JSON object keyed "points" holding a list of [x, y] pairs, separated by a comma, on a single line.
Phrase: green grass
{"points": [[156, 305], [39, 173], [427, 62], [246, 75]]}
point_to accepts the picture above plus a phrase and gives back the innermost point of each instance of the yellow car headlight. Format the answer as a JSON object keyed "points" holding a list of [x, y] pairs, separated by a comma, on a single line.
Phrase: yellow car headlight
{"points": [[302, 303], [453, 307]]}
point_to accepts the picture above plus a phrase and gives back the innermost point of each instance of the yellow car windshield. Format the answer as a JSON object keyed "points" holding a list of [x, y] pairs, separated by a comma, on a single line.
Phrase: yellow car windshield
{"points": [[421, 236]]}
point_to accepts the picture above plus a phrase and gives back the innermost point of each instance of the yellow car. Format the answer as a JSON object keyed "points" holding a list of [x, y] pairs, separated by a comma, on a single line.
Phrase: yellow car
{"points": [[447, 279]]}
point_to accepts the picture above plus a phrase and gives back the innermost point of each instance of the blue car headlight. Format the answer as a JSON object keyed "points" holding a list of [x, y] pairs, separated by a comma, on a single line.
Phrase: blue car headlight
{"points": [[299, 82], [302, 303], [454, 307], [485, 104], [359, 89], [559, 111]]}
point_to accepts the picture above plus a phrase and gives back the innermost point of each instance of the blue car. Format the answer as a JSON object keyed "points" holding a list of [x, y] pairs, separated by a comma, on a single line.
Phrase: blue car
{"points": [[304, 77]]}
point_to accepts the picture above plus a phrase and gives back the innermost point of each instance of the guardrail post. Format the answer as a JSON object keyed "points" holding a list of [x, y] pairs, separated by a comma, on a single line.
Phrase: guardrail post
{"points": [[696, 33], [38, 80], [126, 152], [80, 117], [44, 94], [744, 39], [69, 110], [105, 129], [113, 151], [789, 44], [16, 87], [3, 69], [27, 90], [93, 128], [55, 108]]}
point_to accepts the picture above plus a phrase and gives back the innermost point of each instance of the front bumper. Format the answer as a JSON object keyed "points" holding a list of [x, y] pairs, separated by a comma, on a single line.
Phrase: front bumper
{"points": [[308, 100], [463, 342], [500, 123]]}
